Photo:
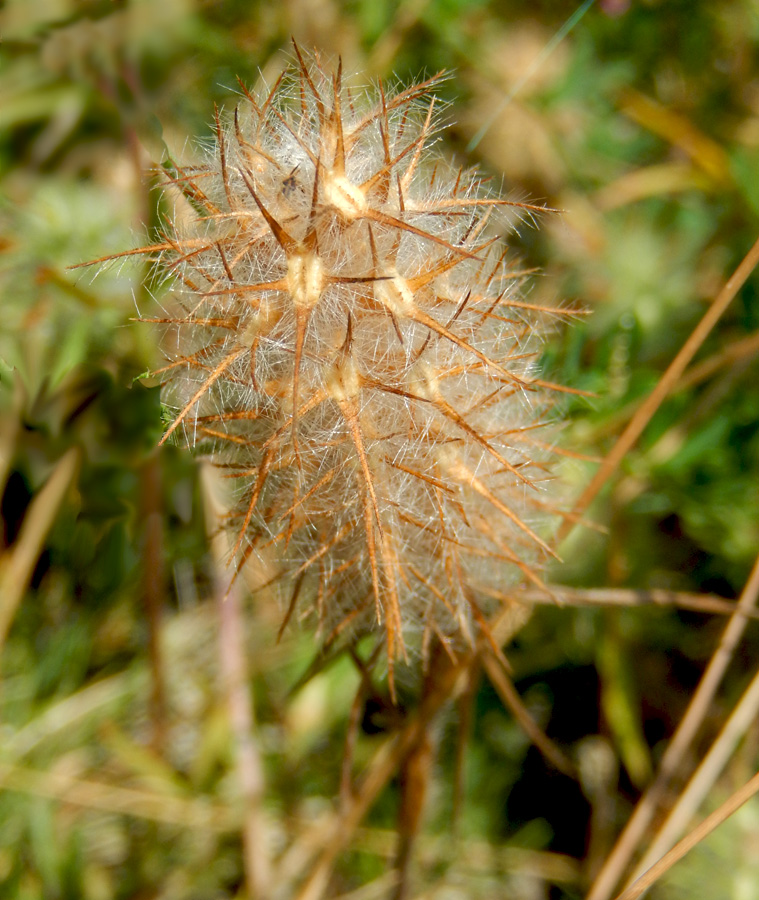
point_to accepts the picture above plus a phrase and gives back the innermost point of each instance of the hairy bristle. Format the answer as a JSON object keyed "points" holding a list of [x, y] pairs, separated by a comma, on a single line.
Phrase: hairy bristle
{"points": [[350, 344]]}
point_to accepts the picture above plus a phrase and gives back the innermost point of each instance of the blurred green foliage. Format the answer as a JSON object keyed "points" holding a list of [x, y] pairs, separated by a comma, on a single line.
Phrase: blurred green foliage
{"points": [[643, 127]]}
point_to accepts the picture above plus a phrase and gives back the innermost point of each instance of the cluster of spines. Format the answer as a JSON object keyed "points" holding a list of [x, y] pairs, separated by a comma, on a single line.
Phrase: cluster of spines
{"points": [[350, 344]]}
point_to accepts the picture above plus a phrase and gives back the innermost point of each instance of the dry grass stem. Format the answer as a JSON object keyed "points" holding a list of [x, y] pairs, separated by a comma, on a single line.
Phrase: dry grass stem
{"points": [[666, 384], [513, 702], [331, 838], [709, 604], [731, 354], [636, 828], [703, 779], [18, 562], [698, 834]]}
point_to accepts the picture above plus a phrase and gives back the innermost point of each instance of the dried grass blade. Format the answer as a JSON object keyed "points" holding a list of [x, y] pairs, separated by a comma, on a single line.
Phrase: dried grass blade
{"points": [[645, 412]]}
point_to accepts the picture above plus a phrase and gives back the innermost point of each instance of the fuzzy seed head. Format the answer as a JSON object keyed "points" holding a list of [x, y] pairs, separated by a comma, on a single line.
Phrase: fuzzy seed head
{"points": [[350, 346]]}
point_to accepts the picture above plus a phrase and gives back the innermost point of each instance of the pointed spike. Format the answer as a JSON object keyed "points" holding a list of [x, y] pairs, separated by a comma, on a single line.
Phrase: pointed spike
{"points": [[263, 469], [350, 414], [385, 219], [220, 143], [307, 76], [213, 377], [270, 98], [139, 251], [291, 606], [336, 122], [249, 96], [311, 239], [346, 346], [285, 241], [420, 142], [225, 262]]}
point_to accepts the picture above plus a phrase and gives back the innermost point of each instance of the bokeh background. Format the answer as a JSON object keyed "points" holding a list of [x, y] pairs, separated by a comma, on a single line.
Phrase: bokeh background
{"points": [[117, 765]]}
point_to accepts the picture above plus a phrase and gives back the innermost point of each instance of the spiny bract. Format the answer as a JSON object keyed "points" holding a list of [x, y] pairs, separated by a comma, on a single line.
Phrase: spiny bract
{"points": [[350, 346]]}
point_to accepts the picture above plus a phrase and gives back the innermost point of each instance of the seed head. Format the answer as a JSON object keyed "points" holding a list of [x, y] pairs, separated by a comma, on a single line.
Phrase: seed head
{"points": [[350, 346]]}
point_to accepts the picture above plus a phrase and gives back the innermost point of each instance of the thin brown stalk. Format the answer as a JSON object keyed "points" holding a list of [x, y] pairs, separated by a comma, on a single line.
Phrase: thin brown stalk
{"points": [[702, 780], [18, 562], [351, 735], [507, 692], [709, 604], [695, 837], [337, 834], [732, 353], [641, 819], [645, 412], [414, 781], [334, 835]]}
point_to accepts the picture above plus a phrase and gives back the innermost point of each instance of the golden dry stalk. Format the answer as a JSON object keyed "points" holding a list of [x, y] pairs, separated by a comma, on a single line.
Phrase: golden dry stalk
{"points": [[349, 344]]}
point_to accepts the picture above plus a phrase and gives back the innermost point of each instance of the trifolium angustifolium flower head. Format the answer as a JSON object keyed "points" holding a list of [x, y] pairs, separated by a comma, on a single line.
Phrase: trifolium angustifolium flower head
{"points": [[350, 345]]}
